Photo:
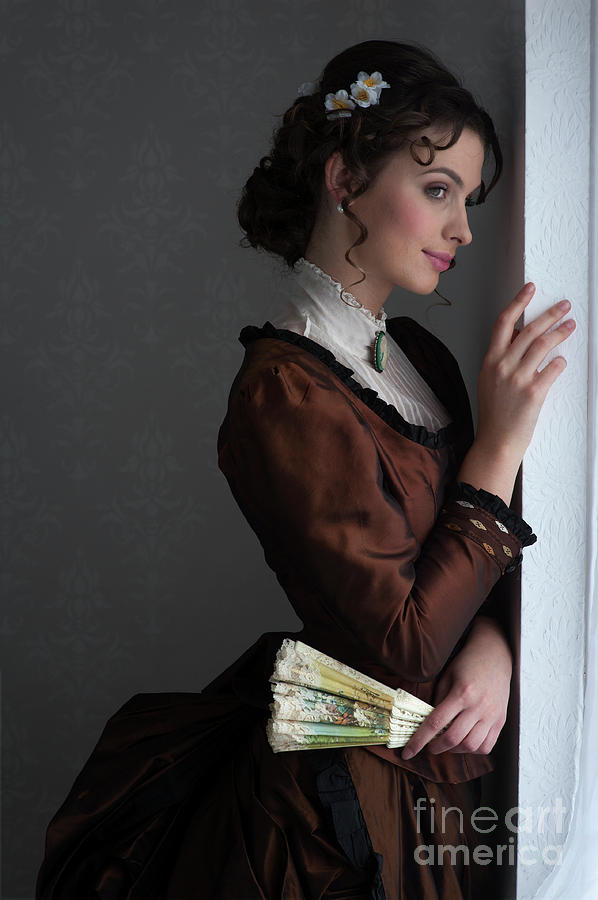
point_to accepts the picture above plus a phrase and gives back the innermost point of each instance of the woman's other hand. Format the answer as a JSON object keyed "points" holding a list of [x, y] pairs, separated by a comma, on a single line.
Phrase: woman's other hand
{"points": [[472, 695], [511, 392]]}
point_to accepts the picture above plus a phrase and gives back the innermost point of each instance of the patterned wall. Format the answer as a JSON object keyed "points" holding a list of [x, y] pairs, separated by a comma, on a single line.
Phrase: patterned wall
{"points": [[126, 132]]}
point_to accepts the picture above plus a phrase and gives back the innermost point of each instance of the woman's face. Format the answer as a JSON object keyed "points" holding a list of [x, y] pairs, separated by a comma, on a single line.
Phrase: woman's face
{"points": [[413, 212]]}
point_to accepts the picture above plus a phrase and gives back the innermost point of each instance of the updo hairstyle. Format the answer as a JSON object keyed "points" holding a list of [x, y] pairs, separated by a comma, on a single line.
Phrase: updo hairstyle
{"points": [[280, 200]]}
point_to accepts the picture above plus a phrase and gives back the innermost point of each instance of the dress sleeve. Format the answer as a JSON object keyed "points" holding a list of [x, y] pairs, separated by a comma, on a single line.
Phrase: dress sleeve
{"points": [[303, 466]]}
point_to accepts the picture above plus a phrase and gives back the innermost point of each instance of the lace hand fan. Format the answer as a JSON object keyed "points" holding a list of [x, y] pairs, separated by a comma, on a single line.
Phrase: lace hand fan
{"points": [[318, 702]]}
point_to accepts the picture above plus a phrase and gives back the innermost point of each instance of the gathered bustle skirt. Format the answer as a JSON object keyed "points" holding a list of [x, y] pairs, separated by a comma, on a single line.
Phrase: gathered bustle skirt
{"points": [[323, 824], [183, 799]]}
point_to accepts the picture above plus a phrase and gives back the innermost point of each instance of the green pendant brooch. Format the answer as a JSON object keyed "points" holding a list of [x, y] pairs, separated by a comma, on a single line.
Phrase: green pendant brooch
{"points": [[380, 351]]}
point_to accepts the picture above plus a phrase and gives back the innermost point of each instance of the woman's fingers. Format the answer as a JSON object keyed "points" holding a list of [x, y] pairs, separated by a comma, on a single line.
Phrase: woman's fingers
{"points": [[480, 739], [465, 738], [490, 740], [502, 332], [549, 375], [538, 330], [511, 346], [465, 734], [438, 719], [511, 391], [538, 351], [466, 728]]}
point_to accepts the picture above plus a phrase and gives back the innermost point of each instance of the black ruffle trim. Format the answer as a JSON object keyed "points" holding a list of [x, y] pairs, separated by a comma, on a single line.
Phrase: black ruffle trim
{"points": [[419, 434], [339, 797], [461, 490]]}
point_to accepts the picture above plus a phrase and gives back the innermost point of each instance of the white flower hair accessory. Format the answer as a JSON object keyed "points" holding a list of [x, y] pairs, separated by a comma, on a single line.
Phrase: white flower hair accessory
{"points": [[364, 92], [306, 88]]}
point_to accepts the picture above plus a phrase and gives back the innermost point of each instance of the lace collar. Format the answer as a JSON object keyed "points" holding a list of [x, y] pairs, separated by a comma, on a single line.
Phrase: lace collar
{"points": [[313, 277], [312, 302]]}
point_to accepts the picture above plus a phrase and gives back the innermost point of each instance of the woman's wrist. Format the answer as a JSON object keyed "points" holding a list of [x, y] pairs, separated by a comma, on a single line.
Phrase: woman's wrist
{"points": [[494, 469], [487, 636]]}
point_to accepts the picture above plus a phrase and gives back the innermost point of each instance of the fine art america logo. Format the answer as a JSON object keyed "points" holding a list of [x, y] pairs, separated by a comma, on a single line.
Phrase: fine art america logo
{"points": [[484, 820]]}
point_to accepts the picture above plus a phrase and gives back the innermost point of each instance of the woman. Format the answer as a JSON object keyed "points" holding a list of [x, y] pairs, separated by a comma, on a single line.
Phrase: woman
{"points": [[349, 447]]}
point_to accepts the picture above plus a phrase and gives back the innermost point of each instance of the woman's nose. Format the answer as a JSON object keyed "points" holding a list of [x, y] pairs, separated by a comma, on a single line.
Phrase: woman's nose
{"points": [[458, 228]]}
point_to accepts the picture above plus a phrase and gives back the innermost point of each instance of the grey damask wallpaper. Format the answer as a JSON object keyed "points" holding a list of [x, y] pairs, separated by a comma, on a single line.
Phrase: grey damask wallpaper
{"points": [[126, 132]]}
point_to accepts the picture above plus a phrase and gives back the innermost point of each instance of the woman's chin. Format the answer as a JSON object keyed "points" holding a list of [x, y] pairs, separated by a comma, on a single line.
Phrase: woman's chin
{"points": [[422, 287]]}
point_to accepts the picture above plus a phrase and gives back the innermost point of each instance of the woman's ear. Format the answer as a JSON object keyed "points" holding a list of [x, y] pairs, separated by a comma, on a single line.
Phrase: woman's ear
{"points": [[337, 178]]}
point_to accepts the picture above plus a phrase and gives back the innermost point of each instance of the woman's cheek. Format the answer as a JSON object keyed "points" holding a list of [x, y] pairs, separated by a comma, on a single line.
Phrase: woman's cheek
{"points": [[409, 218]]}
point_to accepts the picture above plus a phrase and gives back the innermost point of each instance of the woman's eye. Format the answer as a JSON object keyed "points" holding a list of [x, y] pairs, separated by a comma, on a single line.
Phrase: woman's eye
{"points": [[433, 190]]}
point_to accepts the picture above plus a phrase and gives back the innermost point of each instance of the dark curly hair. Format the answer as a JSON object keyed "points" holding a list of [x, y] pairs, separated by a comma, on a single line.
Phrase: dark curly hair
{"points": [[279, 203]]}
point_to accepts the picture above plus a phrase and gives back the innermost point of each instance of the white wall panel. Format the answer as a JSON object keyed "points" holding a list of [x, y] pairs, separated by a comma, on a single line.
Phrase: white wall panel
{"points": [[554, 482]]}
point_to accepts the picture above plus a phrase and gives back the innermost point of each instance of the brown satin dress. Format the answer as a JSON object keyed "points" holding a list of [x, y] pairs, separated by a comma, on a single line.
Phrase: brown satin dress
{"points": [[386, 559]]}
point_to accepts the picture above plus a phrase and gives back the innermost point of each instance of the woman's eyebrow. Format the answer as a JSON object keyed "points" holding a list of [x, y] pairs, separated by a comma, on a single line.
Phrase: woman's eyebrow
{"points": [[456, 178], [453, 175]]}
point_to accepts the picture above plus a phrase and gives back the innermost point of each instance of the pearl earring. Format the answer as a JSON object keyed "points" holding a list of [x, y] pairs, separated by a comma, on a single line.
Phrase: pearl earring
{"points": [[340, 207]]}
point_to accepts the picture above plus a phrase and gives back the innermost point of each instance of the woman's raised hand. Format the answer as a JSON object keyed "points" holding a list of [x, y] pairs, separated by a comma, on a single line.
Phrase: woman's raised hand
{"points": [[510, 389], [511, 392]]}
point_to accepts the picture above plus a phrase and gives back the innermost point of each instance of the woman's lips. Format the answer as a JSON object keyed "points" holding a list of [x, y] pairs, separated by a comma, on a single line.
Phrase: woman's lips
{"points": [[440, 261]]}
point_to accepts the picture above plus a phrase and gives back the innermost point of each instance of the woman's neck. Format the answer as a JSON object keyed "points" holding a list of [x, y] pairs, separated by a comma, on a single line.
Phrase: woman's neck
{"points": [[371, 292]]}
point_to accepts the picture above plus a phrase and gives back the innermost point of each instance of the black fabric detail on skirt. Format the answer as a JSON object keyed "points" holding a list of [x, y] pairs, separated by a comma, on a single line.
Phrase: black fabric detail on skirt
{"points": [[339, 798]]}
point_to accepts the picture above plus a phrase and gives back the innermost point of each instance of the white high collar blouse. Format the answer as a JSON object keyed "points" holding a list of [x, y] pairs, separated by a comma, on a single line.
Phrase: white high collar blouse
{"points": [[312, 306]]}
